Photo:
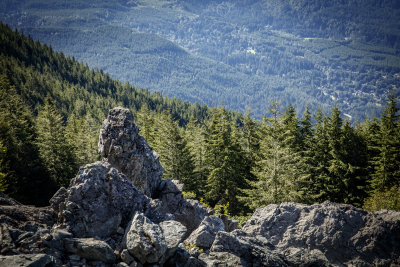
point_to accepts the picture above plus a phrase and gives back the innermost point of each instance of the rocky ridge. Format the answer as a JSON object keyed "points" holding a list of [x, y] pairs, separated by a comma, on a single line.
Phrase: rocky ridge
{"points": [[118, 212]]}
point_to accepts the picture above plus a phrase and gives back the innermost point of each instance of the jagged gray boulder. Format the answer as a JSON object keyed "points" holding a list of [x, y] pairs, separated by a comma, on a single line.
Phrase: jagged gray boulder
{"points": [[318, 235], [173, 232], [344, 234], [145, 240], [27, 260], [90, 248], [189, 212], [204, 235], [229, 225], [98, 201], [121, 145], [22, 228]]}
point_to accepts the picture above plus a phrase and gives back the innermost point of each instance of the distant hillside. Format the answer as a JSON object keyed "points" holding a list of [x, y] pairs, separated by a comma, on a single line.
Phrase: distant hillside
{"points": [[37, 71], [240, 53]]}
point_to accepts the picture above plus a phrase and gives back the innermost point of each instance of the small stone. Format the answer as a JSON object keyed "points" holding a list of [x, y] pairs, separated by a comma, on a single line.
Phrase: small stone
{"points": [[204, 236], [126, 257], [90, 248], [145, 240], [74, 257]]}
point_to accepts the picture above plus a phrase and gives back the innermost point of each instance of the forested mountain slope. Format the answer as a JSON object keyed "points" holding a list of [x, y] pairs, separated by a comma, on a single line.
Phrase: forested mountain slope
{"points": [[52, 107], [241, 53]]}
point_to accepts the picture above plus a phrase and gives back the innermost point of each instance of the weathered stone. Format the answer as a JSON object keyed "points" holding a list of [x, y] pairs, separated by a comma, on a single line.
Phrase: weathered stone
{"points": [[204, 235], [99, 200], [183, 259], [173, 232], [189, 212], [229, 225], [25, 260], [318, 235], [58, 199], [221, 259], [90, 248], [126, 257], [122, 146], [22, 227], [145, 240], [7, 201]]}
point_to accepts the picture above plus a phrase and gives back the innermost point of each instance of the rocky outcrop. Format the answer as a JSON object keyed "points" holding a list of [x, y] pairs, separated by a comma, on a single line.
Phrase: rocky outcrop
{"points": [[90, 248], [121, 145], [204, 235], [145, 240], [321, 234], [189, 212], [118, 212], [23, 229], [173, 232], [27, 260], [98, 201]]}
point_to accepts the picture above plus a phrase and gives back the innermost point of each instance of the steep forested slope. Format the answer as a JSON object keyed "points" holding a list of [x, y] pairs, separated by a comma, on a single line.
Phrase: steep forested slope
{"points": [[241, 53], [51, 109]]}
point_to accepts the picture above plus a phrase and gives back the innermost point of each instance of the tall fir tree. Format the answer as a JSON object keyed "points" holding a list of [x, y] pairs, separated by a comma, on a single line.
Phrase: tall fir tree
{"points": [[277, 169], [3, 182], [25, 178], [226, 163], [146, 121], [174, 153], [384, 142], [355, 156], [306, 186], [195, 138], [335, 184], [250, 139], [55, 152], [387, 163], [320, 157], [82, 135]]}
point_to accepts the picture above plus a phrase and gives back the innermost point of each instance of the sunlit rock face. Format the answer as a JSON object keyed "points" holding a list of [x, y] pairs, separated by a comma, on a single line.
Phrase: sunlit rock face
{"points": [[121, 145]]}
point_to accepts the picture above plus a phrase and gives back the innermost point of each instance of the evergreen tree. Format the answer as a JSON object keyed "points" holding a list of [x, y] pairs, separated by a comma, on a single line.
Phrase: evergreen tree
{"points": [[250, 139], [292, 129], [226, 163], [3, 182], [306, 182], [386, 165], [82, 135], [174, 153], [195, 138], [145, 120], [384, 142], [335, 184], [277, 169], [54, 149], [320, 157], [355, 155], [25, 178]]}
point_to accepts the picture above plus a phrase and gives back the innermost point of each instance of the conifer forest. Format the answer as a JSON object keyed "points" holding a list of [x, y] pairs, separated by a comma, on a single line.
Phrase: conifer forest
{"points": [[52, 107]]}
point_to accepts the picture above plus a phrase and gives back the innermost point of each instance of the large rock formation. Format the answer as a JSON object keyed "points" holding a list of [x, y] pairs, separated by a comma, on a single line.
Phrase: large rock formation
{"points": [[98, 201], [321, 235], [121, 145], [118, 212], [189, 212]]}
